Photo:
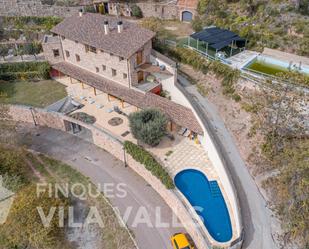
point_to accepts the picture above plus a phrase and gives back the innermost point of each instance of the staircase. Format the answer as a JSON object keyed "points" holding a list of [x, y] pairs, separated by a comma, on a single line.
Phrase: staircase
{"points": [[66, 106], [215, 189]]}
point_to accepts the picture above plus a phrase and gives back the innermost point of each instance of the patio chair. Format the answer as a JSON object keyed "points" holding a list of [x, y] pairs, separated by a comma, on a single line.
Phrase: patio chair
{"points": [[182, 131]]}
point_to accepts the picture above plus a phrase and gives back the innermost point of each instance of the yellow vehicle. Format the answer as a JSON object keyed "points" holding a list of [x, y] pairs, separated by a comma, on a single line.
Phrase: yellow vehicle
{"points": [[180, 241]]}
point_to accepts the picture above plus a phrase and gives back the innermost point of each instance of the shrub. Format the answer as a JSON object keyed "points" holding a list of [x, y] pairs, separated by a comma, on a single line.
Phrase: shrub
{"points": [[136, 11], [24, 71], [152, 23], [12, 164], [84, 117], [145, 158], [148, 126]]}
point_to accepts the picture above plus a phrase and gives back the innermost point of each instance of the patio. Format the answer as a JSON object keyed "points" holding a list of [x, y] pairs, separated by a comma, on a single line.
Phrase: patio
{"points": [[102, 106], [175, 154]]}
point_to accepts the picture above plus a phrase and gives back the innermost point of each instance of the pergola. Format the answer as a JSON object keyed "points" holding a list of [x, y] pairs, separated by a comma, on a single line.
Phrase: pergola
{"points": [[211, 40]]}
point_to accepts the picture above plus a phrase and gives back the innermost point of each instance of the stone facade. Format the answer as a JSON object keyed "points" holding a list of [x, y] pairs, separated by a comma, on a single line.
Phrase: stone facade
{"points": [[102, 62], [34, 8], [50, 46], [159, 10]]}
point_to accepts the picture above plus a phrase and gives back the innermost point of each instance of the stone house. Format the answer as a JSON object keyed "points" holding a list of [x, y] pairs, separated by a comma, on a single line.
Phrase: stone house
{"points": [[183, 10], [116, 57]]}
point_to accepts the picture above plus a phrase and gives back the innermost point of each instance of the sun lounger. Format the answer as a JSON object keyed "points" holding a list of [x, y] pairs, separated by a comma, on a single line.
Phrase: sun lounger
{"points": [[109, 110], [100, 106], [187, 133], [91, 101]]}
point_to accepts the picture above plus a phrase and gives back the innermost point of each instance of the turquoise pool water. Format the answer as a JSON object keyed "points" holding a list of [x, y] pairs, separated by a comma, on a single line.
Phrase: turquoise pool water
{"points": [[206, 197]]}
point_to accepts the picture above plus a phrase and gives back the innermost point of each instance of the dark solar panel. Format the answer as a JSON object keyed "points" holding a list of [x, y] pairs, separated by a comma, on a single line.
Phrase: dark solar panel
{"points": [[216, 37]]}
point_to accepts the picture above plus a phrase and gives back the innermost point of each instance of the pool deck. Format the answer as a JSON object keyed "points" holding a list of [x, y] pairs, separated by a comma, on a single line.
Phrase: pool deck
{"points": [[287, 57], [186, 154], [241, 59]]}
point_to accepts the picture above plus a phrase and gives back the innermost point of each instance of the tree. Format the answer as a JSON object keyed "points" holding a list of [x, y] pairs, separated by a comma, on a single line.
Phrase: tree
{"points": [[32, 48], [44, 70], [281, 118], [136, 11], [148, 126]]}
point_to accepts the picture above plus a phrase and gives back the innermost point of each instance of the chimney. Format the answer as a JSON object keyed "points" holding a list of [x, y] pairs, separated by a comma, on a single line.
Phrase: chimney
{"points": [[81, 12], [120, 26], [106, 28]]}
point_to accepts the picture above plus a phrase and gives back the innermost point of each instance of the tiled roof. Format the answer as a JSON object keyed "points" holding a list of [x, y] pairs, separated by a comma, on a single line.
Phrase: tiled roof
{"points": [[89, 29], [179, 114]]}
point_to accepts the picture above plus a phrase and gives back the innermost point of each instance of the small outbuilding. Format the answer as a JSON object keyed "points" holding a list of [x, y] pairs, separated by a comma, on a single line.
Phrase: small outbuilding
{"points": [[212, 40]]}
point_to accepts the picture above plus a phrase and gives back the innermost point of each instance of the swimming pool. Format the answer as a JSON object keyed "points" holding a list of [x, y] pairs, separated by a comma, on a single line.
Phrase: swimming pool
{"points": [[207, 196], [271, 66]]}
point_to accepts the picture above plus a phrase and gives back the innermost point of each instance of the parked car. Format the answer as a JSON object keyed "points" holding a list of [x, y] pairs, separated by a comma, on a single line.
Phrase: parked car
{"points": [[180, 241]]}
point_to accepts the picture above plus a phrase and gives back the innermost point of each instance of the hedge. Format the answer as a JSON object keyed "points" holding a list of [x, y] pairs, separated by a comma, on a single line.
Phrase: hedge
{"points": [[145, 158], [24, 71]]}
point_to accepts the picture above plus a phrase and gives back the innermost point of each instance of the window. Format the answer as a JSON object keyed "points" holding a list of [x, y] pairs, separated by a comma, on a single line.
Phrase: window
{"points": [[121, 58], [97, 69], [125, 76], [62, 37], [114, 72], [56, 52], [111, 54], [77, 57], [76, 42], [67, 53], [101, 50], [92, 49], [103, 67]]}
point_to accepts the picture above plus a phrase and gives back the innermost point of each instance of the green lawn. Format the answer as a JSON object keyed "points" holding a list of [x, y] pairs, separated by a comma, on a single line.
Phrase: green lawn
{"points": [[38, 94]]}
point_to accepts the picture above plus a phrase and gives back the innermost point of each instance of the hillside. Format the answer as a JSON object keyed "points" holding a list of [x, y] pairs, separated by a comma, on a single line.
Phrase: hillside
{"points": [[279, 24]]}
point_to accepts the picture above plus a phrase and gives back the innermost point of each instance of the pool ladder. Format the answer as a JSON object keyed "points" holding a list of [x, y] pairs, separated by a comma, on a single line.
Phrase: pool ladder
{"points": [[215, 189]]}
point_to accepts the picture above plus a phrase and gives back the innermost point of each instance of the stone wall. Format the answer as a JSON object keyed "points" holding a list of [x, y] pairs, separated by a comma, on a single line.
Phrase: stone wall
{"points": [[162, 11], [159, 10], [113, 145], [34, 8], [49, 44]]}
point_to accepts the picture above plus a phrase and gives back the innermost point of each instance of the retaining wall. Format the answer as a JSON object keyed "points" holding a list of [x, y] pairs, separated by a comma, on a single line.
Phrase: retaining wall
{"points": [[114, 145], [217, 156], [34, 8]]}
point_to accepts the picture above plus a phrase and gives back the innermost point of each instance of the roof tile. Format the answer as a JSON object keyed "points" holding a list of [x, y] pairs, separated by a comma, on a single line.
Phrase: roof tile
{"points": [[89, 29]]}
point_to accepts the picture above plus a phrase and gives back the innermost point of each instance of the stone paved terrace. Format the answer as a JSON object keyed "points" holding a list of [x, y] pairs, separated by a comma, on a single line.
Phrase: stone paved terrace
{"points": [[185, 153], [100, 107]]}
